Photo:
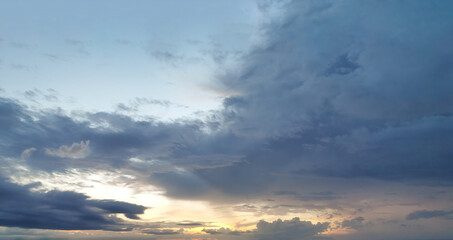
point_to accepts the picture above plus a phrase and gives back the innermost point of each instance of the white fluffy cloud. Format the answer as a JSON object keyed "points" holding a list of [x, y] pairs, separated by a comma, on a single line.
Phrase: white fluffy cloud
{"points": [[76, 150]]}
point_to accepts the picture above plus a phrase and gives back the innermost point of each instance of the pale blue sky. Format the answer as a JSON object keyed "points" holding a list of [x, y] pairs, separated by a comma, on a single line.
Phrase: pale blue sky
{"points": [[97, 54]]}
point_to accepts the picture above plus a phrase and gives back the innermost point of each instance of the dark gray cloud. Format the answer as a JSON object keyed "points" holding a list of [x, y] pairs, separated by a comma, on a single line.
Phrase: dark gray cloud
{"points": [[354, 223], [163, 231], [223, 231], [129, 210], [343, 65], [63, 210], [163, 154], [425, 214], [341, 91], [103, 138], [190, 224], [181, 184]]}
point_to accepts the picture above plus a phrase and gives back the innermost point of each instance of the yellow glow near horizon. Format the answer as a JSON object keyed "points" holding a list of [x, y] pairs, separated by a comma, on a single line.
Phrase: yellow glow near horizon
{"points": [[122, 187]]}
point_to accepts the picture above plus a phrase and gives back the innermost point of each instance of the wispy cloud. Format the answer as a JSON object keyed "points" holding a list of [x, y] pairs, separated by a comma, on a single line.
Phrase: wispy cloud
{"points": [[426, 214]]}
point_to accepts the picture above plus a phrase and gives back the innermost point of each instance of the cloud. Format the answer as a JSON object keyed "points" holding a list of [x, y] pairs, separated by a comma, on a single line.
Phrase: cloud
{"points": [[289, 229], [22, 67], [113, 140], [163, 231], [166, 56], [76, 150], [135, 104], [221, 231], [190, 224], [27, 152], [20, 45], [62, 210], [168, 154], [79, 46], [330, 93], [363, 105], [343, 65], [426, 214], [354, 223], [293, 229], [340, 92], [129, 210], [36, 95], [180, 183]]}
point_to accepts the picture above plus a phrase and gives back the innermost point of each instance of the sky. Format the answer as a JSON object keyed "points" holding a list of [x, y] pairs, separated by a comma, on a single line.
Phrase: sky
{"points": [[226, 120]]}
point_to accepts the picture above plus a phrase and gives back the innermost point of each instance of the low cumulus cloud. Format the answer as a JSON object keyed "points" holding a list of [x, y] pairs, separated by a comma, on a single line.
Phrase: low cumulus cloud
{"points": [[289, 229], [293, 229], [61, 210]]}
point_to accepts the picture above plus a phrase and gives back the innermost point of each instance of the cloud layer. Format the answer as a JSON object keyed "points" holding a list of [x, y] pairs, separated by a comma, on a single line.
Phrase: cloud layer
{"points": [[62, 210]]}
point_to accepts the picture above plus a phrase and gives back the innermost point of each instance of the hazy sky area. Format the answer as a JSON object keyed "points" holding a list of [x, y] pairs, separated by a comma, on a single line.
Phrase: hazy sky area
{"points": [[226, 120]]}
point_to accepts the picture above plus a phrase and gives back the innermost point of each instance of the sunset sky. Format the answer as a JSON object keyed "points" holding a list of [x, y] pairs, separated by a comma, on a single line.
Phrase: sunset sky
{"points": [[226, 120]]}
